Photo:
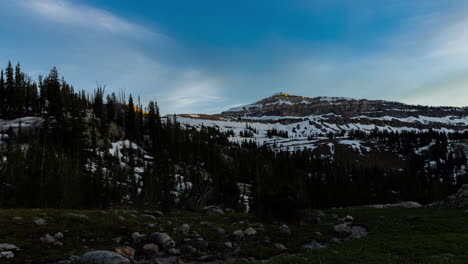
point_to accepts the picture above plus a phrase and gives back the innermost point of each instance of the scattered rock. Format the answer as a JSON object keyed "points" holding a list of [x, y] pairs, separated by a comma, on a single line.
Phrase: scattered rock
{"points": [[159, 213], [76, 216], [407, 204], [228, 244], [117, 240], [185, 228], [103, 257], [7, 247], [151, 248], [58, 244], [137, 237], [218, 211], [47, 239], [250, 231], [347, 231], [358, 232], [58, 235], [163, 240], [313, 245], [17, 218], [238, 234], [220, 230], [280, 246], [191, 249], [149, 216], [120, 218], [74, 259], [7, 255], [39, 221], [127, 252], [285, 229], [174, 251]]}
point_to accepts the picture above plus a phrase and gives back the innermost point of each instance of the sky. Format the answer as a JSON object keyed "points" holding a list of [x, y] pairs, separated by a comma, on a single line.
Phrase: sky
{"points": [[207, 56]]}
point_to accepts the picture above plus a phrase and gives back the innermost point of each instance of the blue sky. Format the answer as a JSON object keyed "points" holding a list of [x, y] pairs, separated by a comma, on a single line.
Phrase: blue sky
{"points": [[209, 55]]}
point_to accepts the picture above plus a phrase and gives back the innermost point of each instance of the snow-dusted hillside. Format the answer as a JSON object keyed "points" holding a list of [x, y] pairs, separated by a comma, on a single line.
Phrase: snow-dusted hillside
{"points": [[312, 122]]}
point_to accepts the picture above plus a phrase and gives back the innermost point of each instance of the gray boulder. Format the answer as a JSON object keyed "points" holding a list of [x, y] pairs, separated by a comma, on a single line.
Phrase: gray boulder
{"points": [[163, 240], [285, 229], [7, 247], [103, 257], [250, 231]]}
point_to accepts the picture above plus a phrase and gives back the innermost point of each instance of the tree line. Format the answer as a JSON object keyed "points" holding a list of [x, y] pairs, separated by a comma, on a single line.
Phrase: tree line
{"points": [[71, 161]]}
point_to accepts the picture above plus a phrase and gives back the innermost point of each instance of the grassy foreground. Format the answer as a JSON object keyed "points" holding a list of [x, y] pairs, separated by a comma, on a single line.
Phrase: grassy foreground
{"points": [[395, 235], [398, 236]]}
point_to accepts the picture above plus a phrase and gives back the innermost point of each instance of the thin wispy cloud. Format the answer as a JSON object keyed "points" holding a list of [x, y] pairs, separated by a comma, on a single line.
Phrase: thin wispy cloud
{"points": [[67, 12]]}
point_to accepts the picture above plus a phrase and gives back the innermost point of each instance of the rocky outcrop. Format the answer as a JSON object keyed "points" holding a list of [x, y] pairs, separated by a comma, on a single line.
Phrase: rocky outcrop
{"points": [[283, 104], [458, 200]]}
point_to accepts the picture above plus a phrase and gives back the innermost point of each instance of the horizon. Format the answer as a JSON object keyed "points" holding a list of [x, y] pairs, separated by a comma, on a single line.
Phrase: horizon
{"points": [[208, 57]]}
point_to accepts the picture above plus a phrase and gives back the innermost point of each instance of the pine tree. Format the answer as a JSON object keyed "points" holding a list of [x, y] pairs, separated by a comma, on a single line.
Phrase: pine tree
{"points": [[9, 91], [2, 95], [131, 119], [20, 92]]}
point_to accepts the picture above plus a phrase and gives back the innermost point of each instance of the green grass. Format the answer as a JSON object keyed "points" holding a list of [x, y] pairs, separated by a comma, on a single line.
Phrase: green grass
{"points": [[436, 236]]}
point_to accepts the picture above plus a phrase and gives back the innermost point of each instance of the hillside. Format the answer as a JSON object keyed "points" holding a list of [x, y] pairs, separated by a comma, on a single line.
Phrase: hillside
{"points": [[110, 167]]}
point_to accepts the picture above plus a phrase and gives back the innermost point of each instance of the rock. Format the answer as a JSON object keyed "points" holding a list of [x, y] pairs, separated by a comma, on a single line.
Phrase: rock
{"points": [[218, 211], [185, 228], [174, 251], [280, 246], [103, 257], [17, 218], [7, 247], [47, 239], [238, 234], [320, 213], [58, 244], [58, 235], [343, 230], [137, 237], [74, 259], [151, 248], [250, 231], [220, 230], [120, 218], [406, 204], [127, 252], [163, 240], [346, 231], [117, 240], [7, 255], [313, 245], [159, 213], [346, 219], [358, 232], [76, 216], [149, 216], [228, 244], [39, 221], [191, 249], [285, 229]]}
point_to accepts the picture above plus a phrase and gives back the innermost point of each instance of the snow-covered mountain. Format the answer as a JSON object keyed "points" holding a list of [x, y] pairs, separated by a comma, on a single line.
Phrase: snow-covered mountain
{"points": [[311, 122]]}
